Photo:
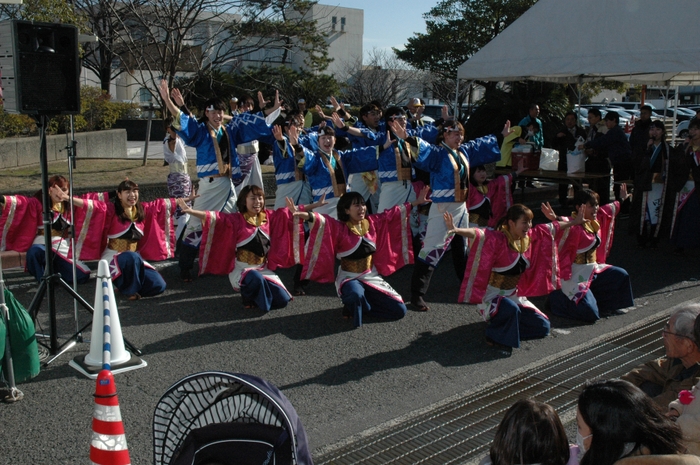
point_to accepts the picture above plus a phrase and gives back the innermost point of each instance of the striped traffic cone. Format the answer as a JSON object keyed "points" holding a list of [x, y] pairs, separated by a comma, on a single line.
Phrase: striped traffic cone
{"points": [[108, 445]]}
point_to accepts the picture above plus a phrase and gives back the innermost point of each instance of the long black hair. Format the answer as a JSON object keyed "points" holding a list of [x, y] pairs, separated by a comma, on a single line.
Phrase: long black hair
{"points": [[619, 413], [473, 171], [128, 185], [212, 103], [530, 432], [586, 196], [514, 213], [345, 201]]}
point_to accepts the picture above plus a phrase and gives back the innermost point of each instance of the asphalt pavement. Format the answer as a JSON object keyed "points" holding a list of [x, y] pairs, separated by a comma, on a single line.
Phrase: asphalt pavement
{"points": [[342, 381]]}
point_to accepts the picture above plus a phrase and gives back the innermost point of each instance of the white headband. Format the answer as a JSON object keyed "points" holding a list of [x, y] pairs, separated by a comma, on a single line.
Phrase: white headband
{"points": [[210, 108]]}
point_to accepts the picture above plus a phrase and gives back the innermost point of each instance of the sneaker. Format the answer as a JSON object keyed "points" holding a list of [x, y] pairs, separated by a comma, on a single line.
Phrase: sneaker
{"points": [[419, 304], [617, 312], [502, 348]]}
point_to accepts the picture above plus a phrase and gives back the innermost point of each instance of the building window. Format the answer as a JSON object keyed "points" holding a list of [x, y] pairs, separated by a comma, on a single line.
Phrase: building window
{"points": [[334, 22], [144, 95], [342, 24]]}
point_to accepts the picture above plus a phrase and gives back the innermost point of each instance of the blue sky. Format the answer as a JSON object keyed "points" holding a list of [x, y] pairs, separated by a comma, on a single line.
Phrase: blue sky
{"points": [[388, 23]]}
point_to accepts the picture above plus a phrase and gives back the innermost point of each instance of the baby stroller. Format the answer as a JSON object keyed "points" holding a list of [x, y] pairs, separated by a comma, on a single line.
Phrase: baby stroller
{"points": [[218, 418]]}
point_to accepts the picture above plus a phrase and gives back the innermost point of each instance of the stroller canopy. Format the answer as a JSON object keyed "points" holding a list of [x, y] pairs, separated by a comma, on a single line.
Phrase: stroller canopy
{"points": [[218, 417]]}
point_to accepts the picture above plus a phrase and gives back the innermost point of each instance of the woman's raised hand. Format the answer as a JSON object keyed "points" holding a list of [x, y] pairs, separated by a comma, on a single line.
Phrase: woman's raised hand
{"points": [[320, 112], [177, 97], [291, 206], [163, 89], [423, 196], [548, 211], [388, 141], [182, 203], [507, 130], [293, 134], [397, 129], [338, 121], [277, 132], [580, 215], [449, 221], [445, 113]]}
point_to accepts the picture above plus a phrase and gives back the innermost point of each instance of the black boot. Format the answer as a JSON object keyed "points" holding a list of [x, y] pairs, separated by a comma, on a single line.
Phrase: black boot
{"points": [[187, 256], [459, 256], [420, 281], [299, 284]]}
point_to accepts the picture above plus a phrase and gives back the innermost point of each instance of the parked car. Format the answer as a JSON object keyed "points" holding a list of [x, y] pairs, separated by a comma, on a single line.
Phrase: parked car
{"points": [[434, 111], [682, 129], [670, 113], [630, 105]]}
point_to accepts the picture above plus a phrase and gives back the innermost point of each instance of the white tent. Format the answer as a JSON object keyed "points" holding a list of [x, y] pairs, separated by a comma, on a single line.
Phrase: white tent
{"points": [[635, 41]]}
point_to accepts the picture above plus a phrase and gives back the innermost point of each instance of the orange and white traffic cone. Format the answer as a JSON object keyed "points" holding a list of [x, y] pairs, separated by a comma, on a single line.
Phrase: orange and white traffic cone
{"points": [[108, 445]]}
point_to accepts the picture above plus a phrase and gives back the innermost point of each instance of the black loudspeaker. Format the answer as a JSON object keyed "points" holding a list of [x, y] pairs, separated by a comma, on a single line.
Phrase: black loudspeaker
{"points": [[40, 68]]}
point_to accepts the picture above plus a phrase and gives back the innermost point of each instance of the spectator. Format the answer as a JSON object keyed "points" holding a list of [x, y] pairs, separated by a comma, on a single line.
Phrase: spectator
{"points": [[534, 112], [531, 432], [662, 379], [615, 420], [415, 107], [616, 147], [686, 409], [653, 201], [686, 231], [308, 116], [640, 132], [597, 161], [565, 141], [179, 182], [233, 105], [530, 134]]}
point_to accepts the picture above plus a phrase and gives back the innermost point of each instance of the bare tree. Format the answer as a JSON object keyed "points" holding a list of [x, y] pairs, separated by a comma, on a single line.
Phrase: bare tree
{"points": [[106, 20], [152, 39], [384, 78]]}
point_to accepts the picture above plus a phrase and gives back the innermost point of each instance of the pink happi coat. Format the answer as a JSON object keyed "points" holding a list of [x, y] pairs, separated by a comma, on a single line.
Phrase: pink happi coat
{"points": [[158, 228], [576, 279], [19, 221], [489, 250], [329, 238], [23, 216], [158, 241], [499, 194], [221, 232]]}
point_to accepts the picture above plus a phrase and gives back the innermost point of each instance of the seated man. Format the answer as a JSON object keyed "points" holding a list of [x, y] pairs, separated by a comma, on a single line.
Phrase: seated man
{"points": [[662, 379]]}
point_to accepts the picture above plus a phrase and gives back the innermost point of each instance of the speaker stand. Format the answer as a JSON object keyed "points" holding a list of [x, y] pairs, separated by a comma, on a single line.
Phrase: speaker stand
{"points": [[50, 279]]}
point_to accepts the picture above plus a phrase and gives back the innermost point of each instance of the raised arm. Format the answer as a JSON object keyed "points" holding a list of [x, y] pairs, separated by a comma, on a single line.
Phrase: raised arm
{"points": [[182, 203], [165, 95], [304, 215], [549, 213], [263, 103], [469, 233], [58, 192], [422, 197]]}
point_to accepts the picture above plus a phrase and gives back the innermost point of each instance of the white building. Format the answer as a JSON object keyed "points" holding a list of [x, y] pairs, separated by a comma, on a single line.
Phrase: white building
{"points": [[344, 28]]}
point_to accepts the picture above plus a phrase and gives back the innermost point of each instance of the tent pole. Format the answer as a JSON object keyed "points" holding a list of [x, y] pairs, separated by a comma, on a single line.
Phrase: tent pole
{"points": [[578, 95], [675, 117], [456, 107]]}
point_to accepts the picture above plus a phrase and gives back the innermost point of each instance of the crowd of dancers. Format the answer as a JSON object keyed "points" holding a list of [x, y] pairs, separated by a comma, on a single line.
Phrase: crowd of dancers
{"points": [[371, 194]]}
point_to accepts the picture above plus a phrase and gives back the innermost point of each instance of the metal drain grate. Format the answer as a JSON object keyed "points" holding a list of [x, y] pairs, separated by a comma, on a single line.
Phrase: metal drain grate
{"points": [[463, 430]]}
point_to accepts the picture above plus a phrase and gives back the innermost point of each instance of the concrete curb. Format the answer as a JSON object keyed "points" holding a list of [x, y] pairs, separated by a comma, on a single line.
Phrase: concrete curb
{"points": [[12, 260]]}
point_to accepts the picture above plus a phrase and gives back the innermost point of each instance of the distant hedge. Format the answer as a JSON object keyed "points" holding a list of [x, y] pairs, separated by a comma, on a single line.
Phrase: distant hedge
{"points": [[97, 111]]}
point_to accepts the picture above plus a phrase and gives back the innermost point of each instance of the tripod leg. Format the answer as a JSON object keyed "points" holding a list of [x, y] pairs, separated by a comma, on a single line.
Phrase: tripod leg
{"points": [[35, 305]]}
